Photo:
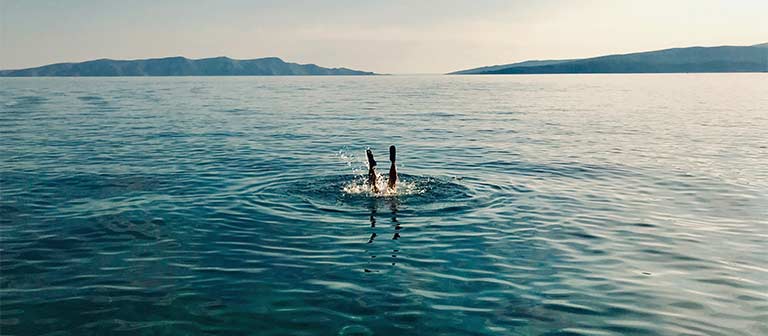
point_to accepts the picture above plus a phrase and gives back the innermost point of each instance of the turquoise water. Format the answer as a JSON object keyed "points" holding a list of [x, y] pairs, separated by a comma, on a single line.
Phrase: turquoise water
{"points": [[530, 205]]}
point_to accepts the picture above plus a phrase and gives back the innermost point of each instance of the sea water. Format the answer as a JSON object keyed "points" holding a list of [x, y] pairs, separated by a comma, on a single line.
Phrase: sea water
{"points": [[528, 205]]}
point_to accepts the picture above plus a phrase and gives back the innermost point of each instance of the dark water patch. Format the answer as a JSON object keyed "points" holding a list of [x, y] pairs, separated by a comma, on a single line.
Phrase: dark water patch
{"points": [[170, 134], [289, 136], [99, 104], [198, 90], [83, 185], [97, 101], [138, 226], [239, 111], [25, 103]]}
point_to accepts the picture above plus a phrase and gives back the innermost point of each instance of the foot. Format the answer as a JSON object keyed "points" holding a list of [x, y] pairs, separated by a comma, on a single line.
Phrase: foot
{"points": [[392, 153], [371, 161]]}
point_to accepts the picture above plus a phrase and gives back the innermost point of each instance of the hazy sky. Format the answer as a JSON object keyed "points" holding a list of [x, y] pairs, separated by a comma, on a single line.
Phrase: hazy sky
{"points": [[389, 36]]}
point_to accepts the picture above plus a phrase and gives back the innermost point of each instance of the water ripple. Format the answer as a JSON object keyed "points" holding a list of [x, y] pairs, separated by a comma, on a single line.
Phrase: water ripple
{"points": [[227, 205]]}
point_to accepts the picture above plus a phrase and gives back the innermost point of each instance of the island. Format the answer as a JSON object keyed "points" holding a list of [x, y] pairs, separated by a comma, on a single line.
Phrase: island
{"points": [[677, 60], [182, 66]]}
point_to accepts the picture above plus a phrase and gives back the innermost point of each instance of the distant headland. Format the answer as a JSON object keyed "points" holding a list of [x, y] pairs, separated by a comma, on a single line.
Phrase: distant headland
{"points": [[678, 60], [181, 66]]}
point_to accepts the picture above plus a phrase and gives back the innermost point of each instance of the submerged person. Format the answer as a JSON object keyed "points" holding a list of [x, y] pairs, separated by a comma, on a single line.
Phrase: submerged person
{"points": [[372, 177]]}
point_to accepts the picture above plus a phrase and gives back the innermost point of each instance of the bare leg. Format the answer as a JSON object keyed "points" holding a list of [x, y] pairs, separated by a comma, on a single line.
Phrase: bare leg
{"points": [[372, 171], [392, 182]]}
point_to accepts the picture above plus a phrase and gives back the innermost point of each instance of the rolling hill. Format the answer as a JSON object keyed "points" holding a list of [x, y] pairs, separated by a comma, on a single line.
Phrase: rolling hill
{"points": [[181, 66], [677, 60]]}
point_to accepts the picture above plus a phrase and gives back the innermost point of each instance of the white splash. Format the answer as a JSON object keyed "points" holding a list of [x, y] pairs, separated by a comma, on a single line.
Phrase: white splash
{"points": [[358, 165], [360, 186]]}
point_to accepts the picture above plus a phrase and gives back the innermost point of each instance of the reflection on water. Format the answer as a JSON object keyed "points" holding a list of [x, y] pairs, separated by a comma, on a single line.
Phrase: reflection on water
{"points": [[392, 228]]}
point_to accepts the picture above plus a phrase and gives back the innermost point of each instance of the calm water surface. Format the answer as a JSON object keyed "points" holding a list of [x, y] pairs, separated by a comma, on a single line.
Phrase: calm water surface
{"points": [[530, 205]]}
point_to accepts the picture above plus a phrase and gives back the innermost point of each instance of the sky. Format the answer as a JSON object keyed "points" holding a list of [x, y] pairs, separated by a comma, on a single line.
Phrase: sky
{"points": [[389, 36]]}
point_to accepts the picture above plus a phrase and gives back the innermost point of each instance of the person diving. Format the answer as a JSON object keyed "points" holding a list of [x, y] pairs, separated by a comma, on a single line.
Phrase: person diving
{"points": [[373, 177]]}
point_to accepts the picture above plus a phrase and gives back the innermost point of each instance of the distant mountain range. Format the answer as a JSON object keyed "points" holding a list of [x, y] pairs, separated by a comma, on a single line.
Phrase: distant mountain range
{"points": [[181, 66], [677, 60], [694, 59]]}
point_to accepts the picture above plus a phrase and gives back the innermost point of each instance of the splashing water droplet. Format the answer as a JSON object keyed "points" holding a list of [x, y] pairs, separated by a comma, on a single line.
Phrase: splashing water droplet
{"points": [[360, 186]]}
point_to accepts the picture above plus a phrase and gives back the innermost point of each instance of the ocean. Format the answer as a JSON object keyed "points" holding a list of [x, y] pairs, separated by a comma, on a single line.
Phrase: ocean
{"points": [[528, 205]]}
